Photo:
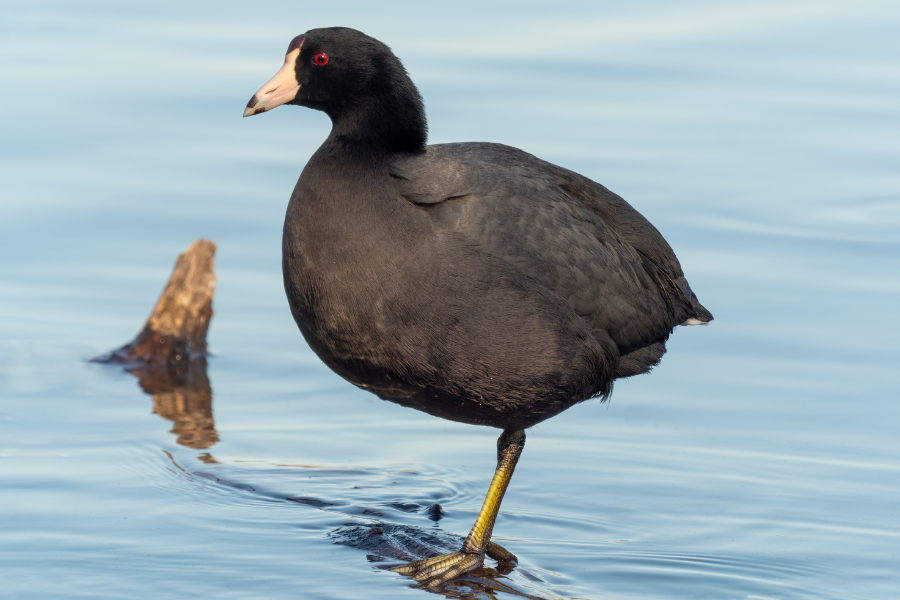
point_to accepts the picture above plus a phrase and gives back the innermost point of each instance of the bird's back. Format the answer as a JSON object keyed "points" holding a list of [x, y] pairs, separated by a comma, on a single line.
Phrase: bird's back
{"points": [[559, 229]]}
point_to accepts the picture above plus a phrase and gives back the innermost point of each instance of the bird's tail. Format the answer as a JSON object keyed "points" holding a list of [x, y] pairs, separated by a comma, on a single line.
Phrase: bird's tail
{"points": [[699, 316]]}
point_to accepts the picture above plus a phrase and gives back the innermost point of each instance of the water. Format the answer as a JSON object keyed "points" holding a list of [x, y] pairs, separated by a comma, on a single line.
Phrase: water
{"points": [[760, 460]]}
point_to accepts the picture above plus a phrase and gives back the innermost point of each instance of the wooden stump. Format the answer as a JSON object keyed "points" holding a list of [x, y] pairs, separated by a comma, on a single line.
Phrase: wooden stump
{"points": [[175, 333]]}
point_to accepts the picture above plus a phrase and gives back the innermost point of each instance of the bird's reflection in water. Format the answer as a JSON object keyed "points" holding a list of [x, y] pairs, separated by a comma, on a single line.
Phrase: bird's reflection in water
{"points": [[184, 396]]}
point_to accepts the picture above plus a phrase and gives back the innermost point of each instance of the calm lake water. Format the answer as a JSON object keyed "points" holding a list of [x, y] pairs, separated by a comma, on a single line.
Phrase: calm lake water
{"points": [[760, 460]]}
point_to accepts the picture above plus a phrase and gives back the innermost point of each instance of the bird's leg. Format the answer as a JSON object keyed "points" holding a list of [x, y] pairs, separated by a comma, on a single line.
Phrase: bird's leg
{"points": [[509, 448], [433, 572]]}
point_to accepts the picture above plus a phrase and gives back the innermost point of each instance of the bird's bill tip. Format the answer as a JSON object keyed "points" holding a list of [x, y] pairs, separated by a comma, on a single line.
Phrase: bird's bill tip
{"points": [[252, 108]]}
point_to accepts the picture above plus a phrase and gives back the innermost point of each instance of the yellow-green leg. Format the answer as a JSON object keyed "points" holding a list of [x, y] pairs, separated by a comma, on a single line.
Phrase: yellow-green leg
{"points": [[432, 572]]}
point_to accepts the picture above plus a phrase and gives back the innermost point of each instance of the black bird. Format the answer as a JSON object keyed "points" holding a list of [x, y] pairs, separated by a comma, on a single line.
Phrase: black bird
{"points": [[471, 281]]}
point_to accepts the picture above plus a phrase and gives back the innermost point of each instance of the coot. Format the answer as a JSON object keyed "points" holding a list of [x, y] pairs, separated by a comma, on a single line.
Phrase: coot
{"points": [[471, 281]]}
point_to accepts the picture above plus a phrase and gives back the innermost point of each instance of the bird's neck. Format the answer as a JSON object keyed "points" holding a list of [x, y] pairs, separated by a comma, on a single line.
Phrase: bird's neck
{"points": [[387, 124]]}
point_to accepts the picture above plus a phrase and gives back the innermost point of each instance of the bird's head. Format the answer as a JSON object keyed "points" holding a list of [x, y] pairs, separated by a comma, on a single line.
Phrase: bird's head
{"points": [[353, 78]]}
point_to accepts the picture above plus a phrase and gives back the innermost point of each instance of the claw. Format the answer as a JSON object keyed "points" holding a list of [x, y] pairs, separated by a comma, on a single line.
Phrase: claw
{"points": [[439, 567], [414, 567], [500, 554], [468, 562], [433, 572]]}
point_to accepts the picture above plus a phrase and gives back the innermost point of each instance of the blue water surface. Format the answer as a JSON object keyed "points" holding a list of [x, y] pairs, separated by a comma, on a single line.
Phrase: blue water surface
{"points": [[760, 460]]}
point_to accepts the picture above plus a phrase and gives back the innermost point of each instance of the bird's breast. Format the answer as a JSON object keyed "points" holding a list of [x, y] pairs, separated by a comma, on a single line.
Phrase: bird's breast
{"points": [[355, 265]]}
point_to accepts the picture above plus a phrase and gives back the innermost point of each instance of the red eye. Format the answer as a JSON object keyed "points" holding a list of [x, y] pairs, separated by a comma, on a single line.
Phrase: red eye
{"points": [[321, 59]]}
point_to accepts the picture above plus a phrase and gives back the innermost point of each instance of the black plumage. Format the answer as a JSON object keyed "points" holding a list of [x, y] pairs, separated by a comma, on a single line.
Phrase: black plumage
{"points": [[471, 281]]}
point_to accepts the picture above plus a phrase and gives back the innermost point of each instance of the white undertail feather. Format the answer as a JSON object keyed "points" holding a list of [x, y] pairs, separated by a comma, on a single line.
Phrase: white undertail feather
{"points": [[693, 321]]}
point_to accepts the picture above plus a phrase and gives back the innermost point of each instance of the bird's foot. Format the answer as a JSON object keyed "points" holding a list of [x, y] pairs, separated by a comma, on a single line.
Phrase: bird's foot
{"points": [[434, 572]]}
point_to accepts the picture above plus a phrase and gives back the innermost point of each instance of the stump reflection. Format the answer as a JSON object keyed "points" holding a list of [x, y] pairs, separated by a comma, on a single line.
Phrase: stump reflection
{"points": [[183, 396]]}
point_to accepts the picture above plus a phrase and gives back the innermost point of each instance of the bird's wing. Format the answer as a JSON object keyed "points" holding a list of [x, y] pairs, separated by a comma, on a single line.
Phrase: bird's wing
{"points": [[559, 229]]}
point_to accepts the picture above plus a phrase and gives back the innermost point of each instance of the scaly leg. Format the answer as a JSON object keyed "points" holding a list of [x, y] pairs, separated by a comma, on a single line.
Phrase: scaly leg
{"points": [[433, 572]]}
